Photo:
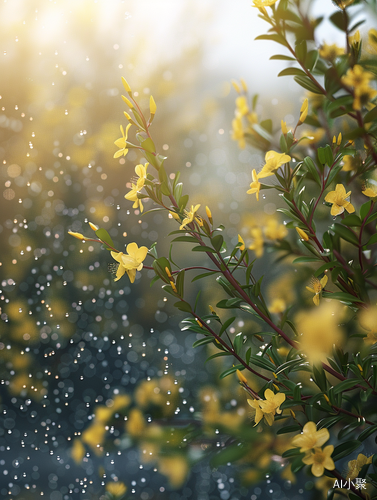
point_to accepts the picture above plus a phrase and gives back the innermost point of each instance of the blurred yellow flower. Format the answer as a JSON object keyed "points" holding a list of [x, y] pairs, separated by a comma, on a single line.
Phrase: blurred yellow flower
{"points": [[319, 329], [317, 287], [372, 41], [116, 489], [122, 142], [367, 320], [263, 3], [267, 408], [358, 78], [255, 185], [242, 108], [94, 436], [131, 262], [175, 468], [330, 52], [238, 133], [273, 161], [310, 437], [275, 231], [278, 306], [354, 40], [320, 460], [77, 451], [190, 216], [135, 425], [349, 163], [338, 199], [258, 242], [355, 466], [311, 136]]}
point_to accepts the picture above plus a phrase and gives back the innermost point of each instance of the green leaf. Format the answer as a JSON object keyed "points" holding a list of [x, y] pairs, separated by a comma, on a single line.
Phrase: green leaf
{"points": [[180, 282], [227, 323], [280, 57], [183, 306], [367, 432], [148, 145], [364, 209], [319, 377], [274, 38], [238, 342], [306, 259], [217, 355], [345, 449], [344, 385], [200, 276], [292, 72], [371, 115], [351, 220], [248, 354], [229, 371], [262, 132], [289, 428], [312, 169], [189, 239], [307, 84], [340, 20], [104, 236], [231, 453], [206, 340], [293, 452], [372, 240], [217, 242], [165, 189], [341, 296], [345, 233], [203, 248]]}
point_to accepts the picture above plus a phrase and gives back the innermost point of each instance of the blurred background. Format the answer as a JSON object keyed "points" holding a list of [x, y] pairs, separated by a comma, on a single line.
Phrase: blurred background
{"points": [[71, 340]]}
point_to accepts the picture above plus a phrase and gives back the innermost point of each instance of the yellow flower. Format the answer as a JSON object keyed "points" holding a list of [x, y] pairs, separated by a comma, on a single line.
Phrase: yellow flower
{"points": [[131, 262], [79, 236], [257, 245], [267, 408], [320, 460], [136, 423], [255, 185], [117, 489], [349, 163], [355, 466], [338, 199], [317, 287], [263, 3], [372, 41], [273, 161], [284, 128], [190, 216], [122, 142], [357, 76], [152, 106], [367, 320], [275, 231], [175, 468], [77, 451], [141, 172], [354, 40], [277, 306], [363, 95], [370, 190], [303, 112], [319, 330], [303, 235], [311, 136], [241, 377], [94, 436], [310, 437], [330, 52], [238, 132], [240, 240], [242, 107]]}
